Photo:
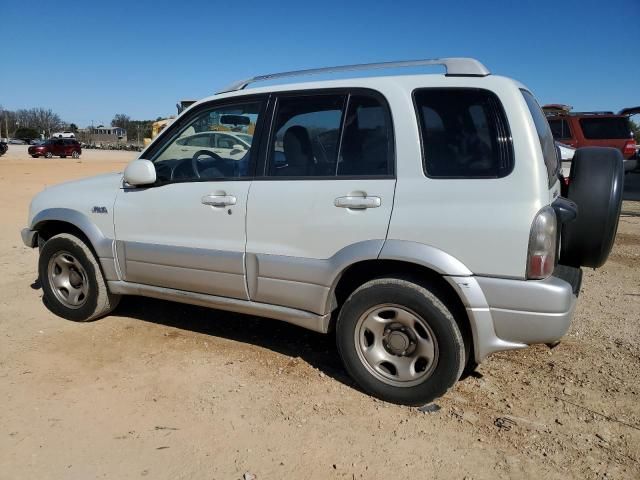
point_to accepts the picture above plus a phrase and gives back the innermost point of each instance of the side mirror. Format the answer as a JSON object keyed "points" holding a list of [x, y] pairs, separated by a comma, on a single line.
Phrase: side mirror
{"points": [[140, 172], [237, 146]]}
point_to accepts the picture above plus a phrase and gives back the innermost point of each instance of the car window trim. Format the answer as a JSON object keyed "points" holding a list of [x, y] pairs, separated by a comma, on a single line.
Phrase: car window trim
{"points": [[261, 173], [171, 133]]}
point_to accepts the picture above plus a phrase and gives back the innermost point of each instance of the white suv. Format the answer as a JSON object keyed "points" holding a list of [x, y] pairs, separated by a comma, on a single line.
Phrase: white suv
{"points": [[418, 218]]}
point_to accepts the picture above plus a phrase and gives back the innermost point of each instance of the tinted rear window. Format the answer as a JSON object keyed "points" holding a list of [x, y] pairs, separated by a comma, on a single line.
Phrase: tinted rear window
{"points": [[601, 128], [464, 133], [544, 135]]}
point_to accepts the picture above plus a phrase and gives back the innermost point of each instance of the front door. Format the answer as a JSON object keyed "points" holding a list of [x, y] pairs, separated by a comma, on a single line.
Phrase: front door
{"points": [[326, 196], [187, 231]]}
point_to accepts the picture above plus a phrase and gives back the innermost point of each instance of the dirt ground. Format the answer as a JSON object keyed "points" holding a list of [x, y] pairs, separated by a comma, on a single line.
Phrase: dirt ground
{"points": [[162, 390]]}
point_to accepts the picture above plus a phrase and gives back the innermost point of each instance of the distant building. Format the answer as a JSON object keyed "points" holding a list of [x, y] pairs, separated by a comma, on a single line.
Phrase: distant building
{"points": [[101, 134]]}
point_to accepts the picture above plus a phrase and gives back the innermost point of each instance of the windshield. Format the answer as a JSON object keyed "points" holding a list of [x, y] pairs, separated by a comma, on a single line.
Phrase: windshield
{"points": [[600, 128]]}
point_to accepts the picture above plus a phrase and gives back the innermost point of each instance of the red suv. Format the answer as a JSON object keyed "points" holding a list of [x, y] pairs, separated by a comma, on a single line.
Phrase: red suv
{"points": [[59, 147], [594, 129]]}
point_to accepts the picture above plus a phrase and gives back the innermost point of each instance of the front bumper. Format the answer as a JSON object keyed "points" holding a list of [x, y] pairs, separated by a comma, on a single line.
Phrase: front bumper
{"points": [[507, 314], [29, 237]]}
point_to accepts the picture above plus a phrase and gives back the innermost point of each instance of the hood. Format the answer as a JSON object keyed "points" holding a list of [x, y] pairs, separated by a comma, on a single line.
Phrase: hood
{"points": [[112, 180]]}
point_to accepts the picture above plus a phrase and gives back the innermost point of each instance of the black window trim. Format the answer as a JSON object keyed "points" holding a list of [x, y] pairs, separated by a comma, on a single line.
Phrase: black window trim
{"points": [[500, 119], [263, 162], [171, 133]]}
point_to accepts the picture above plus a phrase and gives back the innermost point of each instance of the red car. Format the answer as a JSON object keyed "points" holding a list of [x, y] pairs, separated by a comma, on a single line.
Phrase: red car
{"points": [[594, 129], [58, 147]]}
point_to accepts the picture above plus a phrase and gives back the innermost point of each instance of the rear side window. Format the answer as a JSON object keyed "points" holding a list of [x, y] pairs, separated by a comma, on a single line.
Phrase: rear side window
{"points": [[545, 136], [560, 128], [605, 128], [367, 141], [464, 133], [331, 135]]}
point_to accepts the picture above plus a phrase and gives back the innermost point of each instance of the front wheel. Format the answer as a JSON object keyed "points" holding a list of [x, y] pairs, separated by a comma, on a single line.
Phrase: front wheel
{"points": [[73, 285], [400, 342], [48, 155], [75, 154]]}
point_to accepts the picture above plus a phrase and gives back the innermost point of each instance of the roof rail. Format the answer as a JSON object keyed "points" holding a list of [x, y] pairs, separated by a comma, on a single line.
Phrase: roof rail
{"points": [[457, 66]]}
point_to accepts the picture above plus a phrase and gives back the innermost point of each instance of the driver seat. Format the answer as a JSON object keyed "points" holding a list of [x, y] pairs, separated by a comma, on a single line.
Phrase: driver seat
{"points": [[298, 153]]}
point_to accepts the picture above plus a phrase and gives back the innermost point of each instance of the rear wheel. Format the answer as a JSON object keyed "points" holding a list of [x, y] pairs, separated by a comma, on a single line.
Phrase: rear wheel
{"points": [[73, 285], [399, 341], [75, 154], [48, 155]]}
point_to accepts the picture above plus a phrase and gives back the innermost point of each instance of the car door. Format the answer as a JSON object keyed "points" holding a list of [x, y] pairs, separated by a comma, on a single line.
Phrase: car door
{"points": [[325, 198], [187, 231], [58, 147]]}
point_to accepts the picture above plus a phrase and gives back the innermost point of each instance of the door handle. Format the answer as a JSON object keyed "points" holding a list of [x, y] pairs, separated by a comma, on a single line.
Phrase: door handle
{"points": [[219, 200], [358, 203]]}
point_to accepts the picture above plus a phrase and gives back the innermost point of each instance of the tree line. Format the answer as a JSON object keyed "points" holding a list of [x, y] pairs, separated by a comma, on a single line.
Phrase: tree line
{"points": [[29, 123], [137, 130]]}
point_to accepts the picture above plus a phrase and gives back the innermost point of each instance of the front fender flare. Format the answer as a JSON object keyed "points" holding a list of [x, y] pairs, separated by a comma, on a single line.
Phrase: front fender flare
{"points": [[102, 245]]}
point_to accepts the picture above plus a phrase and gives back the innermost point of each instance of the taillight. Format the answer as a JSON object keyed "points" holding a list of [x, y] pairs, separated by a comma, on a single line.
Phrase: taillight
{"points": [[541, 257], [629, 147]]}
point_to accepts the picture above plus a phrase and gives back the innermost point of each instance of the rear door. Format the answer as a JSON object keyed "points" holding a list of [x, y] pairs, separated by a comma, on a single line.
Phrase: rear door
{"points": [[325, 197]]}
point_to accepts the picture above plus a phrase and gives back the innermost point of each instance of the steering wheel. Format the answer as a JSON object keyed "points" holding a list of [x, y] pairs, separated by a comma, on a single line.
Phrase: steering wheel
{"points": [[195, 165]]}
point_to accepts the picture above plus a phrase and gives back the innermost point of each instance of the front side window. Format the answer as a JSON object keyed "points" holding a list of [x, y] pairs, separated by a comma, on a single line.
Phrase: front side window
{"points": [[464, 133], [331, 135], [192, 153]]}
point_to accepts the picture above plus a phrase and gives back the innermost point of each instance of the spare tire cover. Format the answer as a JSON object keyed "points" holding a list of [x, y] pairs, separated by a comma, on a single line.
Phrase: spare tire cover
{"points": [[596, 182]]}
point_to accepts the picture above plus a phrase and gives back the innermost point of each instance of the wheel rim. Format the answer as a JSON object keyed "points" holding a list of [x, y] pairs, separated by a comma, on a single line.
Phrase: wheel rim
{"points": [[396, 345], [68, 280], [75, 155]]}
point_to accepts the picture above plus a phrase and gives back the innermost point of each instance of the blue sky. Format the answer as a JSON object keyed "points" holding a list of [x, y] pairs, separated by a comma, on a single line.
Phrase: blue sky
{"points": [[90, 60]]}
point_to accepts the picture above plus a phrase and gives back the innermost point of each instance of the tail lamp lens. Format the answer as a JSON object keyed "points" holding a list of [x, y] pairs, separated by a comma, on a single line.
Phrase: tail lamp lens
{"points": [[629, 147], [541, 257]]}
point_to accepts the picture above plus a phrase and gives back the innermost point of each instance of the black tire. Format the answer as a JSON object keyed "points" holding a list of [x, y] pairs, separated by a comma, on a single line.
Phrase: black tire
{"points": [[48, 155], [75, 154], [596, 182], [97, 302], [426, 303]]}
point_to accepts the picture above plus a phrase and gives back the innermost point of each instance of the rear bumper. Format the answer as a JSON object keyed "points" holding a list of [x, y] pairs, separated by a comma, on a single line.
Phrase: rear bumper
{"points": [[508, 314], [630, 164]]}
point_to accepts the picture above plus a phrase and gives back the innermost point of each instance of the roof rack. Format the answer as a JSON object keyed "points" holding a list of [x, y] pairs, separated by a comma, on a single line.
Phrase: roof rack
{"points": [[456, 66]]}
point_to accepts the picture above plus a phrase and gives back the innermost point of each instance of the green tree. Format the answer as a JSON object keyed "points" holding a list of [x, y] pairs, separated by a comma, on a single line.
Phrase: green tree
{"points": [[26, 133]]}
